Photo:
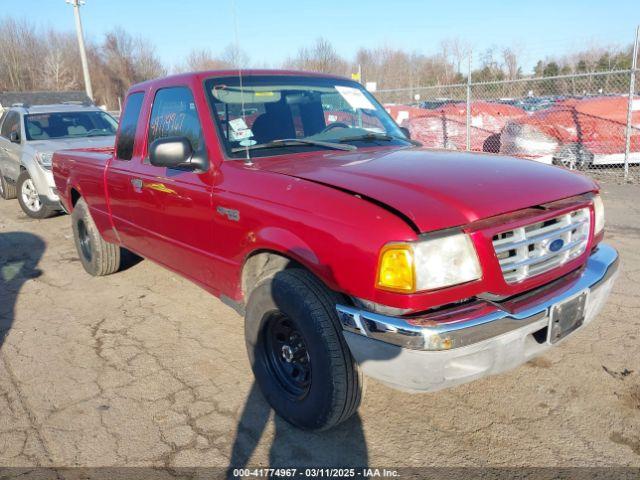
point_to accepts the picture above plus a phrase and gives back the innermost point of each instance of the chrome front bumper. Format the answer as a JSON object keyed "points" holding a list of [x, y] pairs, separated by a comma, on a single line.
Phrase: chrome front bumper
{"points": [[456, 345]]}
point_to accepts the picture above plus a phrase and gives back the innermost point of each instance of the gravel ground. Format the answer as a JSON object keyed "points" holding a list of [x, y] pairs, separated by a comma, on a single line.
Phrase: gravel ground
{"points": [[142, 368]]}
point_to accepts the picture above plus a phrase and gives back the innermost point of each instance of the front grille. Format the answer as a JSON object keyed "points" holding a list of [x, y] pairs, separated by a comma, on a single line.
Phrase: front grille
{"points": [[539, 247]]}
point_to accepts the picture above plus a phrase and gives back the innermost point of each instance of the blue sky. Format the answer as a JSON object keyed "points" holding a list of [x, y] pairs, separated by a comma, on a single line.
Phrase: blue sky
{"points": [[272, 30]]}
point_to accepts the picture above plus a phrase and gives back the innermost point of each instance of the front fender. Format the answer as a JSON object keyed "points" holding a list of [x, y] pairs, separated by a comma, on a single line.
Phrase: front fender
{"points": [[42, 178], [287, 243]]}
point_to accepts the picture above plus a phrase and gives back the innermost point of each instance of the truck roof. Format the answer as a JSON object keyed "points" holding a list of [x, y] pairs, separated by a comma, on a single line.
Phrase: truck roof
{"points": [[201, 75]]}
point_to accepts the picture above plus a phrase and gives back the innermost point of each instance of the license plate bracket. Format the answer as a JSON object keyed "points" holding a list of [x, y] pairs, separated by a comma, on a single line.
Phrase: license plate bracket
{"points": [[566, 316]]}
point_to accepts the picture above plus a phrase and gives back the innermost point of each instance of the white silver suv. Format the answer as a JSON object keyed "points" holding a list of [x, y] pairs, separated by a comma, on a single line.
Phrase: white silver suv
{"points": [[28, 138]]}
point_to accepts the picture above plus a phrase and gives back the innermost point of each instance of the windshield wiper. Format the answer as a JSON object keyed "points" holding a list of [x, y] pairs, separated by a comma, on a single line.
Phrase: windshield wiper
{"points": [[372, 137], [369, 136], [292, 142]]}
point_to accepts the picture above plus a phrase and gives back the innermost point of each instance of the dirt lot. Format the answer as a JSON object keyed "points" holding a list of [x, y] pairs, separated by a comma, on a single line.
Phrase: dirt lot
{"points": [[142, 368]]}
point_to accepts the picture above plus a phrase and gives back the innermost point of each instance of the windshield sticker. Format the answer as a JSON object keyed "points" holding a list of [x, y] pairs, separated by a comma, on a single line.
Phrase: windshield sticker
{"points": [[355, 98], [239, 130], [248, 142], [241, 134], [238, 124], [332, 118]]}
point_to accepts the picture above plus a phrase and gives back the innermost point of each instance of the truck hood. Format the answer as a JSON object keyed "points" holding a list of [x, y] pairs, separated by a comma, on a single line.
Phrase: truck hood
{"points": [[436, 189], [66, 143]]}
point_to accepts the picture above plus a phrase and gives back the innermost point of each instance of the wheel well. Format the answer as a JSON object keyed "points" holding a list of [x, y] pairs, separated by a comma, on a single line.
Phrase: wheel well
{"points": [[75, 196], [261, 265]]}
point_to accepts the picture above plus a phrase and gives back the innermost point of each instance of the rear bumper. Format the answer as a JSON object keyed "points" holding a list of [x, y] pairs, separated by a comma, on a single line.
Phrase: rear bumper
{"points": [[463, 343]]}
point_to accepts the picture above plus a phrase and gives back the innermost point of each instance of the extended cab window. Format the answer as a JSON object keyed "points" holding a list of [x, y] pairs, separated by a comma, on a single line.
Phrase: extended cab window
{"points": [[128, 124], [174, 115], [11, 124]]}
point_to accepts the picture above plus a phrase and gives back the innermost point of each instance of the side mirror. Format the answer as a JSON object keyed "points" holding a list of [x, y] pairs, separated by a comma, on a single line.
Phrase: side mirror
{"points": [[14, 137], [406, 132], [175, 152]]}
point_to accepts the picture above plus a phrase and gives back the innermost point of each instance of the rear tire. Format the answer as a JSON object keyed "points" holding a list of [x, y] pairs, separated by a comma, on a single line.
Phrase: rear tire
{"points": [[98, 257], [298, 353], [29, 198], [7, 190]]}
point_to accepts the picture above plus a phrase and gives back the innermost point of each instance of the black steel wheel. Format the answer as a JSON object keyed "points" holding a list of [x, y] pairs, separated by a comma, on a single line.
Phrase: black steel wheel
{"points": [[287, 355], [84, 240]]}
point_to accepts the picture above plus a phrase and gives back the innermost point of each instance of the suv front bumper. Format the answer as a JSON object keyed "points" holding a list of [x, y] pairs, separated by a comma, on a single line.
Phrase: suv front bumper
{"points": [[466, 342]]}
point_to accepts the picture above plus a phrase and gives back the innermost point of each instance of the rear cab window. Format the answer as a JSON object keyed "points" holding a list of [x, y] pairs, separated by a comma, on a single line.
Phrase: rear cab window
{"points": [[128, 125]]}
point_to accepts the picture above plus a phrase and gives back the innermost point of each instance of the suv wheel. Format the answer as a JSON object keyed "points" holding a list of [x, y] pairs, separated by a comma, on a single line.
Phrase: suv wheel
{"points": [[574, 157], [297, 352], [97, 256], [29, 198], [7, 190]]}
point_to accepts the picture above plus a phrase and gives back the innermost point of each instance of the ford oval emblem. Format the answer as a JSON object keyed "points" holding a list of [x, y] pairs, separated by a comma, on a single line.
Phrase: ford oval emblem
{"points": [[556, 245]]}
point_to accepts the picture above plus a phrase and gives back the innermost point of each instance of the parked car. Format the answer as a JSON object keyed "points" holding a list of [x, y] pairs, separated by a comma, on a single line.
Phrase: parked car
{"points": [[437, 103], [530, 104], [28, 137], [446, 127], [347, 249], [576, 133]]}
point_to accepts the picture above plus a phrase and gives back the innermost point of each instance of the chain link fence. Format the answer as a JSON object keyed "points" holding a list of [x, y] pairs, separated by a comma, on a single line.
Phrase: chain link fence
{"points": [[588, 122]]}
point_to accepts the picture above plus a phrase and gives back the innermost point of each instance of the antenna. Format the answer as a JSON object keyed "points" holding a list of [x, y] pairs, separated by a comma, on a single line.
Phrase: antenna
{"points": [[237, 42]]}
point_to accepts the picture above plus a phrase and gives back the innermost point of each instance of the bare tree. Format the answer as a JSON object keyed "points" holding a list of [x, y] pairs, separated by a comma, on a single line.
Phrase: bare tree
{"points": [[457, 51], [234, 56], [320, 57], [510, 60], [199, 60]]}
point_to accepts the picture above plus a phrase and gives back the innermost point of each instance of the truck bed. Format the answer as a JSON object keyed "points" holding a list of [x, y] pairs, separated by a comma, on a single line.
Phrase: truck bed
{"points": [[85, 167]]}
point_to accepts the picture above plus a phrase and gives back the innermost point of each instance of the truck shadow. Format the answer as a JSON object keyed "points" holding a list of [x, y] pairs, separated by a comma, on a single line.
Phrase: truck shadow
{"points": [[20, 253], [343, 446]]}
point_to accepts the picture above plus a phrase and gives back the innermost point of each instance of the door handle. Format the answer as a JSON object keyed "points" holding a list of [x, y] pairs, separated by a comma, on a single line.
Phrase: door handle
{"points": [[137, 185]]}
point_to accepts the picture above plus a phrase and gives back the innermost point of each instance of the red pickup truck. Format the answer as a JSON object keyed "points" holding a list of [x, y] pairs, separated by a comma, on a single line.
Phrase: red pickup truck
{"points": [[348, 248]]}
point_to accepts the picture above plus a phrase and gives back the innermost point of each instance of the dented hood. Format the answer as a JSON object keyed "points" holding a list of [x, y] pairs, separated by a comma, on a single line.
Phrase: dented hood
{"points": [[436, 189]]}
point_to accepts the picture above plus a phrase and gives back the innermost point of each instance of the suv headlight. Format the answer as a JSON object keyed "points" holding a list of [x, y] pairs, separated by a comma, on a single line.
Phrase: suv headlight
{"points": [[428, 264], [44, 159], [598, 213]]}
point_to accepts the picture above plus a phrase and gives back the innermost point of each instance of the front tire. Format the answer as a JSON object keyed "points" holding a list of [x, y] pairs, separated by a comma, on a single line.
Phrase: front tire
{"points": [[574, 156], [7, 190], [98, 257], [297, 352], [29, 198]]}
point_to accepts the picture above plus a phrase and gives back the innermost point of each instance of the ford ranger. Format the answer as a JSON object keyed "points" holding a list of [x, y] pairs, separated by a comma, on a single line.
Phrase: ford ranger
{"points": [[350, 250]]}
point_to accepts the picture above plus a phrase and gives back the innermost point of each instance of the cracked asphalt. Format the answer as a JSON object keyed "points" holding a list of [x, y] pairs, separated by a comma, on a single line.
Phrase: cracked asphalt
{"points": [[142, 368]]}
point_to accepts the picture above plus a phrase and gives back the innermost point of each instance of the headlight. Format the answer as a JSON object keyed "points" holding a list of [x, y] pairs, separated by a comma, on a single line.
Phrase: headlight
{"points": [[428, 264], [598, 211], [44, 159]]}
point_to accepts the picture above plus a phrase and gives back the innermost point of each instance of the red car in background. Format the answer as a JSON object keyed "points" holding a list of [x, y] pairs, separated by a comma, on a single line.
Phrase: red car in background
{"points": [[575, 133], [445, 127]]}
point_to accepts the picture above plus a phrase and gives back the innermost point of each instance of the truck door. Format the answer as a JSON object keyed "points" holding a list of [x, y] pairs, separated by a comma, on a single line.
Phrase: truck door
{"points": [[119, 174], [171, 209]]}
